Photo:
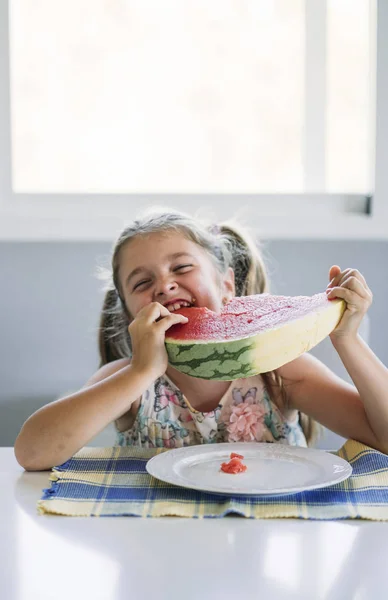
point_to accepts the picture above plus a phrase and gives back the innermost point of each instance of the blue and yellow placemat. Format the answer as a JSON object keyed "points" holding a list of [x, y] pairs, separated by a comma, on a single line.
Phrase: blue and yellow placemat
{"points": [[103, 482]]}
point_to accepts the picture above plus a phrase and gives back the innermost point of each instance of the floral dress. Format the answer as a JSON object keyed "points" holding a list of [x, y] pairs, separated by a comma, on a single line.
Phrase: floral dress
{"points": [[245, 413]]}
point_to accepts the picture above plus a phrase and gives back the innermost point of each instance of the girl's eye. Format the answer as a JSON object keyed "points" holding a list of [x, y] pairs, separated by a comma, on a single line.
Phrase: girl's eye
{"points": [[141, 283], [145, 282]]}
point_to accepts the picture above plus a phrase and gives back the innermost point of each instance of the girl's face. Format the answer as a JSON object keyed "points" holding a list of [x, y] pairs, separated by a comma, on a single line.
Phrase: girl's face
{"points": [[172, 270]]}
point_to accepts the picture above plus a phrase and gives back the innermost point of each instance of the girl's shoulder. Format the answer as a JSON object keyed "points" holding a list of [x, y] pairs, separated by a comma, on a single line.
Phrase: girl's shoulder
{"points": [[107, 370]]}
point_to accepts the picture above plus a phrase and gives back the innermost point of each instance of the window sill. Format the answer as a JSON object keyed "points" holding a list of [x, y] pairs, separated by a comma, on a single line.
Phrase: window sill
{"points": [[107, 227]]}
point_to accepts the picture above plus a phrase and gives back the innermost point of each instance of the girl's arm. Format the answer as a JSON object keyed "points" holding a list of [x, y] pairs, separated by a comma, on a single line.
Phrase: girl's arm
{"points": [[370, 377], [359, 412], [312, 388], [58, 430]]}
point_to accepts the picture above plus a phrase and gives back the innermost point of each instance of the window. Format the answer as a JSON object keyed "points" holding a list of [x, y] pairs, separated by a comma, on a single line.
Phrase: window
{"points": [[273, 111], [175, 96]]}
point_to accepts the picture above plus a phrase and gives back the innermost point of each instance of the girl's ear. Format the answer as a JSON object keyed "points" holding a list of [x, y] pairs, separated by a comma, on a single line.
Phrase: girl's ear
{"points": [[229, 289]]}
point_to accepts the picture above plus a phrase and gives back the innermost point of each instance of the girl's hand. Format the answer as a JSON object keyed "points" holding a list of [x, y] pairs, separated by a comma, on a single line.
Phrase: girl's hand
{"points": [[147, 333], [351, 286]]}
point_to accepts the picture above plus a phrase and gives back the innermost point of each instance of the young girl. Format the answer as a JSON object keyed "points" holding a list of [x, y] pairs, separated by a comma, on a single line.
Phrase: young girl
{"points": [[161, 263]]}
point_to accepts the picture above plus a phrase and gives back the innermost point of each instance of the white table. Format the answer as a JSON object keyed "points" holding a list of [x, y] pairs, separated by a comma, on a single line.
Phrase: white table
{"points": [[51, 557]]}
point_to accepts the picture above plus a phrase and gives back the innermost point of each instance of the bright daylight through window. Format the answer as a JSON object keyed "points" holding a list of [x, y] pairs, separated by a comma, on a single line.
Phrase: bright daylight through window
{"points": [[181, 96]]}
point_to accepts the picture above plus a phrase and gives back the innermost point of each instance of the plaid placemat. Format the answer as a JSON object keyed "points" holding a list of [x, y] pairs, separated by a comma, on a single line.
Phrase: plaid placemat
{"points": [[102, 482]]}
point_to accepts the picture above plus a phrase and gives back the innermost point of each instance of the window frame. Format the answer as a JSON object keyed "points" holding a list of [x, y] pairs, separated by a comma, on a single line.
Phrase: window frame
{"points": [[282, 216]]}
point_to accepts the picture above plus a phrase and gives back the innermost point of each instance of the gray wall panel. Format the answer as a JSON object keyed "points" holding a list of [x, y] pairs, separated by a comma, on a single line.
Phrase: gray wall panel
{"points": [[50, 302]]}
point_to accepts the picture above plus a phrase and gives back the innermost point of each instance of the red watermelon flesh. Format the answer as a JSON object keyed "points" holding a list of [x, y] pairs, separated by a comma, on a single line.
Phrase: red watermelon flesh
{"points": [[244, 316]]}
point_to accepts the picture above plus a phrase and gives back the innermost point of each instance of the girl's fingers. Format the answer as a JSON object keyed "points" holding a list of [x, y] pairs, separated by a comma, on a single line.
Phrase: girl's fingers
{"points": [[334, 280], [343, 276], [353, 283], [334, 274], [162, 314], [352, 291], [355, 274], [349, 296], [155, 317], [152, 312], [171, 319]]}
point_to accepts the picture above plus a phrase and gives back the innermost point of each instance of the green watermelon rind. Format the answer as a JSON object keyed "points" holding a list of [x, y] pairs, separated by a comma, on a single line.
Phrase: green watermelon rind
{"points": [[209, 361]]}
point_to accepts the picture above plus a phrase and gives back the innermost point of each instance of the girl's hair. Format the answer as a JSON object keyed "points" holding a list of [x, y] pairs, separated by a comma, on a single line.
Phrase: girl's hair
{"points": [[228, 245]]}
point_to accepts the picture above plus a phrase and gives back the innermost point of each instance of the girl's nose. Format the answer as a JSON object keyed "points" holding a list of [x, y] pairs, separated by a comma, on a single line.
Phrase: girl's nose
{"points": [[165, 287]]}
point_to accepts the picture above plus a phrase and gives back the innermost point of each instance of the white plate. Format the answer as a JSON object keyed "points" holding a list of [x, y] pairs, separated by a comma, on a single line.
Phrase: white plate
{"points": [[272, 468]]}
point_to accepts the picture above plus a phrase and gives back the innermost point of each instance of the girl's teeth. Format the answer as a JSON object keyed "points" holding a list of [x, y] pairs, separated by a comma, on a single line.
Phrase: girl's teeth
{"points": [[177, 306]]}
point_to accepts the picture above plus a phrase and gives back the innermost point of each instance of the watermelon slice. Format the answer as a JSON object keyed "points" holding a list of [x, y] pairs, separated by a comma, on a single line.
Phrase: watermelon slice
{"points": [[252, 334]]}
